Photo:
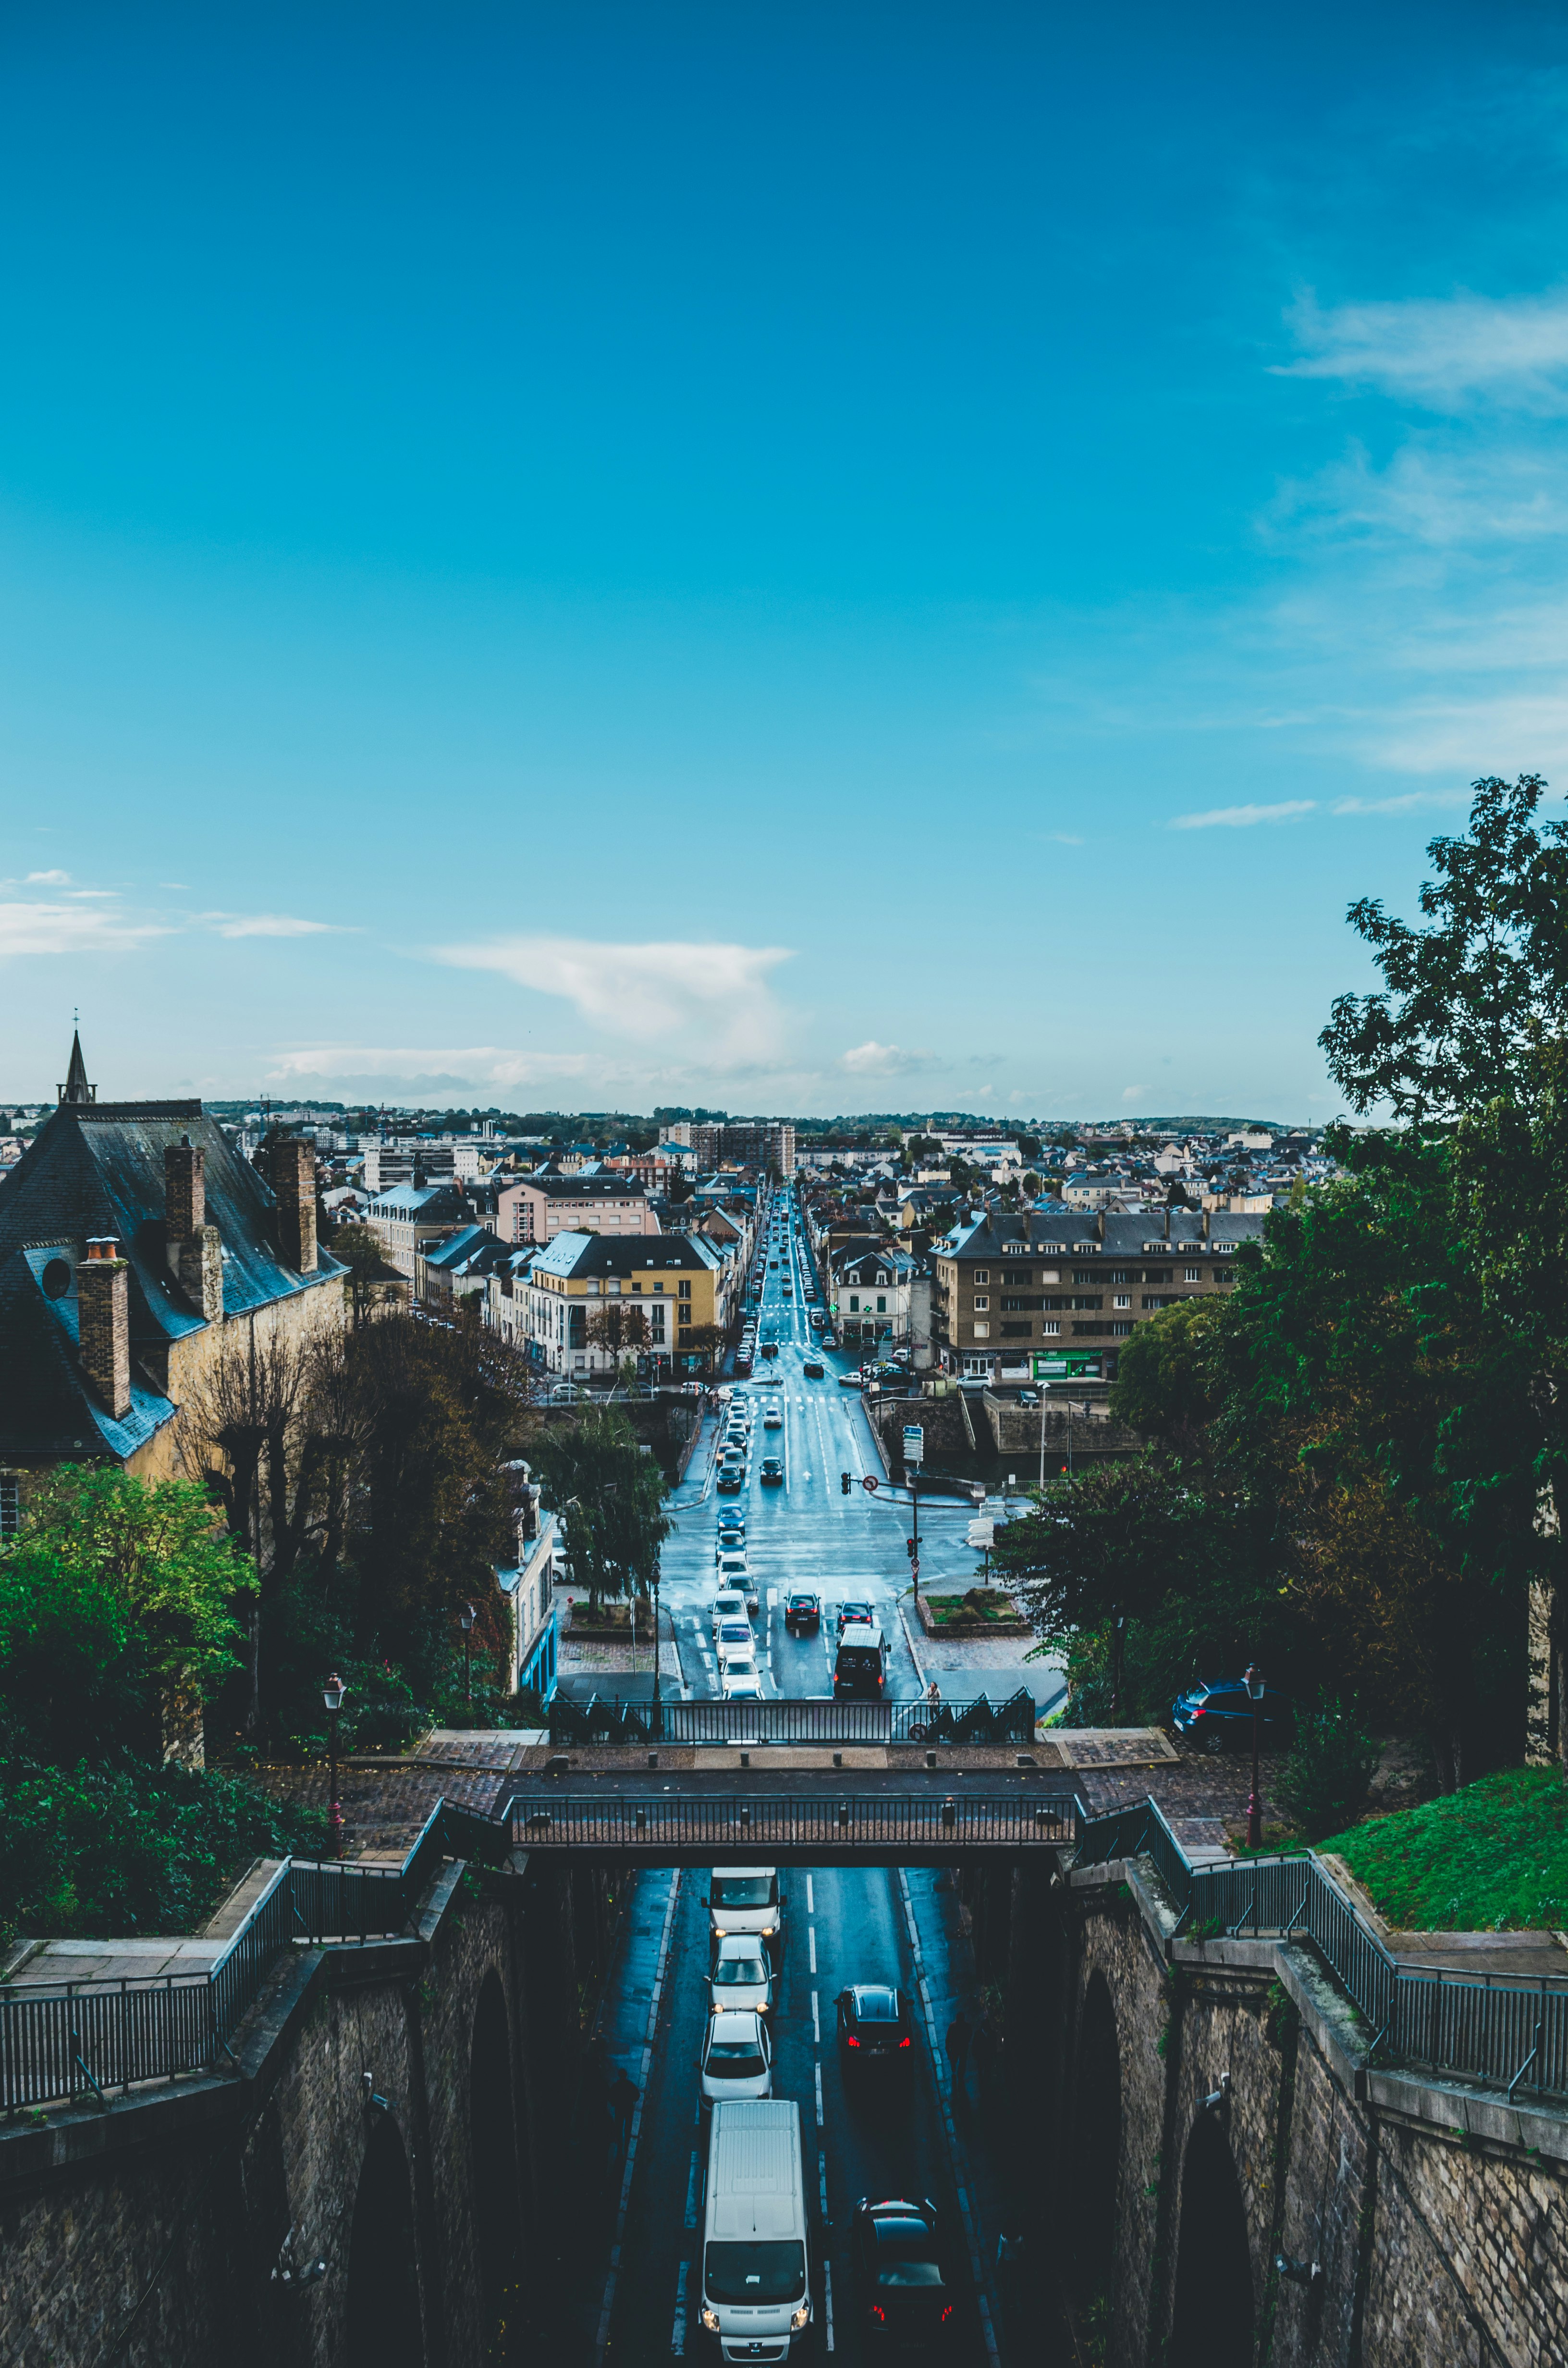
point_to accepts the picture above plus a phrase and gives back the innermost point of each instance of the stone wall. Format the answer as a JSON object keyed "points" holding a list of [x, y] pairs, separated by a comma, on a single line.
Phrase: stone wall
{"points": [[186, 2224], [1421, 2221]]}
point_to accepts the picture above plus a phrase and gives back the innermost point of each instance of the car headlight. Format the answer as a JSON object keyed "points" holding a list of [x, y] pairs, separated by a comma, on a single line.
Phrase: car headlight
{"points": [[709, 2319], [768, 1931], [802, 2319]]}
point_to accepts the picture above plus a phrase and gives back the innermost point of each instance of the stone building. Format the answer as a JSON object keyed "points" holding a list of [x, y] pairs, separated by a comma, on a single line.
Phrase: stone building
{"points": [[134, 1241]]}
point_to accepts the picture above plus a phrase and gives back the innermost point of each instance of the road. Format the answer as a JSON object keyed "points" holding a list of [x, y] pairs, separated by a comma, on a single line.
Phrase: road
{"points": [[807, 1532], [841, 1926]]}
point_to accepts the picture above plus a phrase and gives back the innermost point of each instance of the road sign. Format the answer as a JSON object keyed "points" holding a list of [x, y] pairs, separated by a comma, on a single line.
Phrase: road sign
{"points": [[982, 1533], [871, 1483], [914, 1443]]}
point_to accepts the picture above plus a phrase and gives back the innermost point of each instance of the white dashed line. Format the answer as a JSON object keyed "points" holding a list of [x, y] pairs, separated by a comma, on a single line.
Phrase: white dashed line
{"points": [[678, 2330], [811, 1902], [816, 2035], [827, 2299], [817, 2071], [812, 1945], [691, 2196]]}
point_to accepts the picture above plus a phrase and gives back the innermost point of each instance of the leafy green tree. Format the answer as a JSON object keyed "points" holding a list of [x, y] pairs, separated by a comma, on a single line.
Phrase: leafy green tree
{"points": [[1324, 1782], [609, 1496], [118, 1604], [1164, 1384]]}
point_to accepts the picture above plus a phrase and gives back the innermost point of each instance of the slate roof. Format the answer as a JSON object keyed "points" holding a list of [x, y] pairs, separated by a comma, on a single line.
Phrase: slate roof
{"points": [[615, 1186], [580, 1255], [98, 1168]]}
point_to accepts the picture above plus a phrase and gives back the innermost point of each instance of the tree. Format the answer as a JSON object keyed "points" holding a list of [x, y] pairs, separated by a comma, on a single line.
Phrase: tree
{"points": [[117, 1605], [619, 1325], [608, 1495], [1163, 1381], [359, 1248], [1468, 999]]}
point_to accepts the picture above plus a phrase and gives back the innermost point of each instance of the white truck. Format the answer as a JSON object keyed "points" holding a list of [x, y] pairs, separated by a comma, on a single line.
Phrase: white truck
{"points": [[757, 2287]]}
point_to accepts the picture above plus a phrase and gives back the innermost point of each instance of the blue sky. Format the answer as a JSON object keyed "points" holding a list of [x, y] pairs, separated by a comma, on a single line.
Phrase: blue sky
{"points": [[832, 558]]}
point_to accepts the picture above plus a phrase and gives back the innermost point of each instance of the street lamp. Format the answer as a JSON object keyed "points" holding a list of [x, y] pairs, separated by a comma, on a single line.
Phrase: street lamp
{"points": [[1044, 1391], [1254, 1806], [332, 1694], [465, 1620], [658, 1698]]}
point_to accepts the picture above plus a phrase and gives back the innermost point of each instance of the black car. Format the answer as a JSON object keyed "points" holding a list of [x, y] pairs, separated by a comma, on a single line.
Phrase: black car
{"points": [[850, 1612], [770, 1347], [772, 1473], [902, 2300], [802, 1610], [1218, 1716], [814, 1370], [874, 2027]]}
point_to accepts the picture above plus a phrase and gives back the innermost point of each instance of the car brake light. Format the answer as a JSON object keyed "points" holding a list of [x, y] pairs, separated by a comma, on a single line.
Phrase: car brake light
{"points": [[850, 2041], [946, 2314], [878, 2312], [904, 2041]]}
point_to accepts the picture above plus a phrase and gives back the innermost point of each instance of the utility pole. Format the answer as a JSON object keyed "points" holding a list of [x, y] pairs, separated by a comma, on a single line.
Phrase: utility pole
{"points": [[1044, 1387]]}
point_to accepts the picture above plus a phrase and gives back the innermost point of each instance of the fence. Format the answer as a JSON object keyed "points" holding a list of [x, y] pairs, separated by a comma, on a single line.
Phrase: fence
{"points": [[611, 1719], [60, 2040], [827, 1823], [1493, 2028]]}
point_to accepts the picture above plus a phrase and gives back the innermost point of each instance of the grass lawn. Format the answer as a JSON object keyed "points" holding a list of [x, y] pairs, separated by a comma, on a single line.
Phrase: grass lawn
{"points": [[1491, 1856], [980, 1604]]}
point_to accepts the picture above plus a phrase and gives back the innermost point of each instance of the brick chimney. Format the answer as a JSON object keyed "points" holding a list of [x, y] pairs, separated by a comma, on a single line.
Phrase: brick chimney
{"points": [[103, 1290], [194, 1248], [294, 1187]]}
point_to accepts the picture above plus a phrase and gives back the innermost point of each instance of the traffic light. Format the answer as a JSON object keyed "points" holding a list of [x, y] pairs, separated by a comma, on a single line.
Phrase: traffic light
{"points": [[844, 1483], [909, 1548]]}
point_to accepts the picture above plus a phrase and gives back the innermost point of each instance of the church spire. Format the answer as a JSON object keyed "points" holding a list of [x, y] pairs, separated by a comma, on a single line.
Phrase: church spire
{"points": [[76, 1089]]}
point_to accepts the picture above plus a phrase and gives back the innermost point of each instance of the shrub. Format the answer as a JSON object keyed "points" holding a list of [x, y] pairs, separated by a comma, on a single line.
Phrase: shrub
{"points": [[1324, 1782]]}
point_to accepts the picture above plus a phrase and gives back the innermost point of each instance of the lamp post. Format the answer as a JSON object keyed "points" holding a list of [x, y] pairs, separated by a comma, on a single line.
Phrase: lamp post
{"points": [[1044, 1390], [658, 1698], [465, 1621], [1254, 1806], [332, 1694]]}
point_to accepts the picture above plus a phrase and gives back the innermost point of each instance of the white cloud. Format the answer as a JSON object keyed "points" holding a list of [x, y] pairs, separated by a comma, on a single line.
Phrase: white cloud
{"points": [[268, 925], [1133, 1093], [1440, 352], [44, 928], [1243, 817], [1431, 496], [648, 993], [480, 1063], [49, 879], [874, 1060]]}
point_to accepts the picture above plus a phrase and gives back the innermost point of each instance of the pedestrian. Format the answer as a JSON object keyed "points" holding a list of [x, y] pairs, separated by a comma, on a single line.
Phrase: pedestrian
{"points": [[932, 1696], [623, 2103], [959, 2037]]}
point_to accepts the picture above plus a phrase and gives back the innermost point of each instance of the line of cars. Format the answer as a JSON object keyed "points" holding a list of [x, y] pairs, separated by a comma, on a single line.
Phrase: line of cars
{"points": [[758, 2226]]}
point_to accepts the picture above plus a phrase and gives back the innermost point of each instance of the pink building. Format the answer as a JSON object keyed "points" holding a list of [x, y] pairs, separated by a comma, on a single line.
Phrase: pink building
{"points": [[537, 1208]]}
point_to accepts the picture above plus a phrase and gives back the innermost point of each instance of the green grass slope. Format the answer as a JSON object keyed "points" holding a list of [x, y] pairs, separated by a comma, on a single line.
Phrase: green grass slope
{"points": [[1493, 1856]]}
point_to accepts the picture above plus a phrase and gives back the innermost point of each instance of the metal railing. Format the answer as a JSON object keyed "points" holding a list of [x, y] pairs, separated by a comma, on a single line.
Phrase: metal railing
{"points": [[62, 2040], [823, 1821], [1502, 2029], [613, 1719]]}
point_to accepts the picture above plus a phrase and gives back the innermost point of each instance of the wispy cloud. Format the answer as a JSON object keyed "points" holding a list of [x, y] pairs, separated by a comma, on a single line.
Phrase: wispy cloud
{"points": [[650, 992], [874, 1060], [49, 879], [1243, 817], [1133, 1093], [473, 1064], [1442, 352], [269, 925], [41, 927]]}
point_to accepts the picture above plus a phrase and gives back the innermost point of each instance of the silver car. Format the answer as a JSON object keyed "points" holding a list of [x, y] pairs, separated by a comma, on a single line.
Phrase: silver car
{"points": [[742, 1978]]}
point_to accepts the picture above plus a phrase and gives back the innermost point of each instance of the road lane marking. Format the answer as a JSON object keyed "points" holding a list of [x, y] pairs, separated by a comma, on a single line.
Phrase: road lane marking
{"points": [[816, 2069], [816, 2035], [812, 1945], [821, 2183], [691, 2195], [811, 1902], [678, 2330], [827, 2298]]}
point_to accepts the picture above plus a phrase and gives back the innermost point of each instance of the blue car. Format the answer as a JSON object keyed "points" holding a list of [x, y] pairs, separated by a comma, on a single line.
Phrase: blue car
{"points": [[1217, 1716]]}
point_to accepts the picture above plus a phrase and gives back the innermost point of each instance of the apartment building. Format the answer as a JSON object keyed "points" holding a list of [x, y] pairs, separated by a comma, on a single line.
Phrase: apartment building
{"points": [[761, 1143], [593, 1298], [1016, 1298], [408, 1216], [537, 1208]]}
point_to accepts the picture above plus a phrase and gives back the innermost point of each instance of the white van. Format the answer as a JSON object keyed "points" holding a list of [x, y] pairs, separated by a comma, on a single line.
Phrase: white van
{"points": [[757, 2289], [745, 1899]]}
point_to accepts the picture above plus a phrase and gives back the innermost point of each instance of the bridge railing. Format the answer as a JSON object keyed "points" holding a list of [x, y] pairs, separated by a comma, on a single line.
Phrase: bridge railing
{"points": [[613, 1719], [831, 1822], [1499, 2029], [64, 2040]]}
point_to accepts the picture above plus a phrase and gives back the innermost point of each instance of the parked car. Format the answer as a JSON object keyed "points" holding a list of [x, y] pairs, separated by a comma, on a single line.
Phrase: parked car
{"points": [[737, 2060], [853, 1380], [829, 1338], [902, 2299], [1028, 1397], [741, 1979], [802, 1612], [813, 1368], [1218, 1716], [772, 1472], [875, 2029]]}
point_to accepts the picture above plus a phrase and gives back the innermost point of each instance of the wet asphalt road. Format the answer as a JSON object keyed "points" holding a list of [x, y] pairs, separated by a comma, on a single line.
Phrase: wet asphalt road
{"points": [[806, 1532], [903, 2138]]}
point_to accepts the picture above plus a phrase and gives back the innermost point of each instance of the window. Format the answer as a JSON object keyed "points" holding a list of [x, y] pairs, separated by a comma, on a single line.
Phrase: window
{"points": [[686, 1290], [983, 1274], [982, 1302], [1121, 1300], [982, 1331], [1194, 1274], [881, 1306], [1017, 1306], [10, 1504], [1156, 1274], [854, 1302], [683, 1314], [1049, 1328], [1050, 1274], [1085, 1301], [1120, 1331], [1157, 1299], [1016, 1331], [657, 1288], [1123, 1274], [1085, 1275]]}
